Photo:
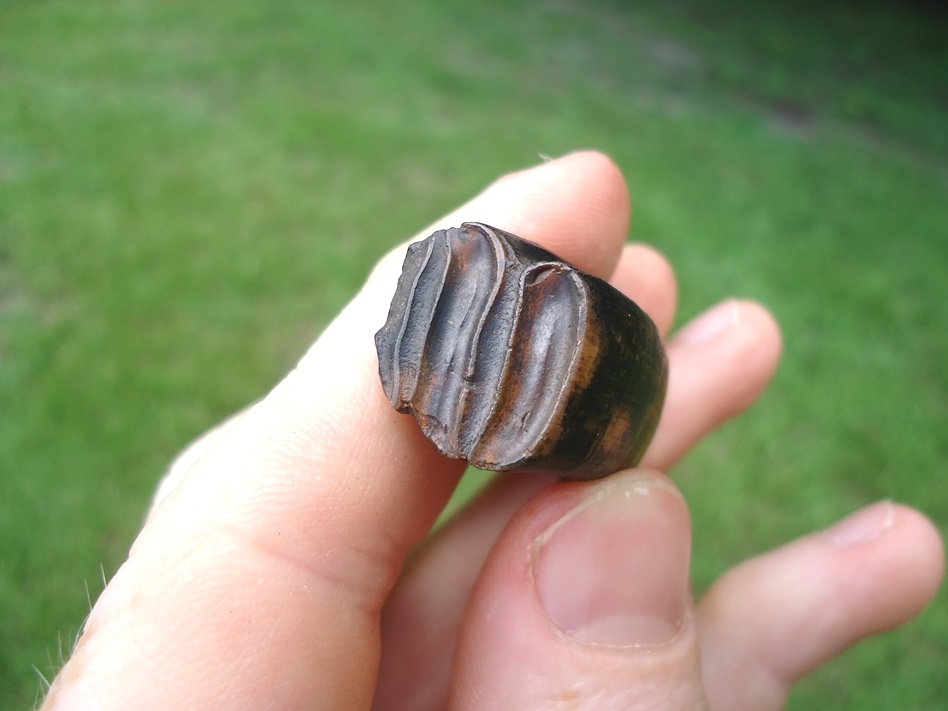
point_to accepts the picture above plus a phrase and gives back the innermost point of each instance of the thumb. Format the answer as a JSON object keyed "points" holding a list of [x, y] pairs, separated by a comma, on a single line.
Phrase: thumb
{"points": [[585, 603]]}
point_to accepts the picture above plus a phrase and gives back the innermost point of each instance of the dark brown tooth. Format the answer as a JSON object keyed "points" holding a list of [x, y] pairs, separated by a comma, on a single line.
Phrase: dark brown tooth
{"points": [[513, 359]]}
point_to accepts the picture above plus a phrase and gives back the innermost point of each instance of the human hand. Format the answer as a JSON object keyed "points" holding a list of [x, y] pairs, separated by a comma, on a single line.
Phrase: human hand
{"points": [[272, 571]]}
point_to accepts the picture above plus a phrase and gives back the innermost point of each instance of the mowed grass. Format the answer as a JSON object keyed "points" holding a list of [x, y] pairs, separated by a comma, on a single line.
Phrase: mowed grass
{"points": [[189, 192]]}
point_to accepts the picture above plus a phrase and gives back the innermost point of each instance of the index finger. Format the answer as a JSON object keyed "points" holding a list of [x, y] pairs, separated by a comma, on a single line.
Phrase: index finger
{"points": [[259, 579]]}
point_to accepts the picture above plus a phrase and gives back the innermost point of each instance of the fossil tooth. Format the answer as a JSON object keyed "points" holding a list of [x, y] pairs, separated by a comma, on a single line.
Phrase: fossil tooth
{"points": [[513, 359]]}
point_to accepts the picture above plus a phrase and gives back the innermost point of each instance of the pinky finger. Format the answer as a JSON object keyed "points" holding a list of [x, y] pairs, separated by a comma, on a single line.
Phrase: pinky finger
{"points": [[773, 619]]}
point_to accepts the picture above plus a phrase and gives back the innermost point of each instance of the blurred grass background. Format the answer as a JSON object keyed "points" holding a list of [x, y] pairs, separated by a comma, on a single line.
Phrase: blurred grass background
{"points": [[190, 191]]}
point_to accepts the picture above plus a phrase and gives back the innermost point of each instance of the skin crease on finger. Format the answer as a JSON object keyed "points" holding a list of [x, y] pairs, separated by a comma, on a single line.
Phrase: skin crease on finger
{"points": [[287, 505]]}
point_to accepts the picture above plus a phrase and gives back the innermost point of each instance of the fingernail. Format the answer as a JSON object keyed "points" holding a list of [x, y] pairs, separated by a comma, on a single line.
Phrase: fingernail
{"points": [[614, 570], [864, 525], [710, 324]]}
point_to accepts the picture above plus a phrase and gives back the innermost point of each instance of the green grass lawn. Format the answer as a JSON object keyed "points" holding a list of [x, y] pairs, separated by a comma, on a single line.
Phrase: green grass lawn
{"points": [[189, 191]]}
